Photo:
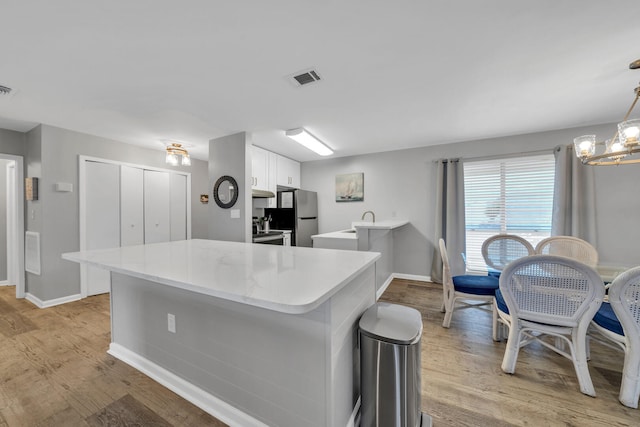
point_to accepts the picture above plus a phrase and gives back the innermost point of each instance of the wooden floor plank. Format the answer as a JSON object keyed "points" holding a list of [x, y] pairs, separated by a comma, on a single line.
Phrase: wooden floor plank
{"points": [[57, 372]]}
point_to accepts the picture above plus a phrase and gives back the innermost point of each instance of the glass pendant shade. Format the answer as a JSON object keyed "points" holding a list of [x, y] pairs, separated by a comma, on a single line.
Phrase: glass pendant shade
{"points": [[186, 160], [172, 159], [615, 146], [585, 145], [629, 132]]}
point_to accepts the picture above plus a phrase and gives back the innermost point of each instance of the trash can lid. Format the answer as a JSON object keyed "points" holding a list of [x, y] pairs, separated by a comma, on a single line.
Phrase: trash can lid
{"points": [[392, 323]]}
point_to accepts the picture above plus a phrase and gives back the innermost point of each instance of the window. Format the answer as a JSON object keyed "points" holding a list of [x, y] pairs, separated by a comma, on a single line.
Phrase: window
{"points": [[512, 195]]}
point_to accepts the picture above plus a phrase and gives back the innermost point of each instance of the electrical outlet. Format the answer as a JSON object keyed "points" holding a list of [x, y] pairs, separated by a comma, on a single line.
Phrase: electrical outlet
{"points": [[171, 322]]}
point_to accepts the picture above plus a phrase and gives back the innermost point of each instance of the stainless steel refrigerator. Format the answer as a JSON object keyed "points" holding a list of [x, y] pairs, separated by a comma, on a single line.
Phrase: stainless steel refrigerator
{"points": [[297, 211]]}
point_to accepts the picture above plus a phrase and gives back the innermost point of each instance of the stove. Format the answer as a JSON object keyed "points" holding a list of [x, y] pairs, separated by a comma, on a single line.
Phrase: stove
{"points": [[269, 238]]}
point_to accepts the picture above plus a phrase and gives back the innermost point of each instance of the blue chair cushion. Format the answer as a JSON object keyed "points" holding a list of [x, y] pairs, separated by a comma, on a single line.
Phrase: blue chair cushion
{"points": [[494, 273], [476, 285], [502, 306], [606, 318]]}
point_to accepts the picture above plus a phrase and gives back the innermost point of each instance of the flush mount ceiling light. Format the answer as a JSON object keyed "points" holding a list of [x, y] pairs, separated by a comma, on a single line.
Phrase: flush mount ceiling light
{"points": [[175, 153], [303, 137], [618, 150]]}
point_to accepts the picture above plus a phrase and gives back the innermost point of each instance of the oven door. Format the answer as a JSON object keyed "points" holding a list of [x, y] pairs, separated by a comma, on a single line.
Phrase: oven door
{"points": [[269, 239]]}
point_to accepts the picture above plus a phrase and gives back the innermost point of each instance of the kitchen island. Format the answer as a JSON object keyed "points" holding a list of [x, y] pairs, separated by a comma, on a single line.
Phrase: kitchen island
{"points": [[253, 334]]}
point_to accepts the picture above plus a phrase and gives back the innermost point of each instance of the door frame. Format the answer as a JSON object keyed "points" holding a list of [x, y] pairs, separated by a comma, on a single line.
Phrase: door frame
{"points": [[82, 191], [15, 223]]}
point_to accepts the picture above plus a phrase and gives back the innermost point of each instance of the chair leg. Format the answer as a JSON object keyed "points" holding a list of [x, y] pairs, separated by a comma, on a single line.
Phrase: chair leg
{"points": [[497, 330], [449, 307], [630, 387], [579, 354], [513, 347]]}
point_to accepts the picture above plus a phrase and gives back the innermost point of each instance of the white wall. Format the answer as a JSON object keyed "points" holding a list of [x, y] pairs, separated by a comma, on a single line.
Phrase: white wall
{"points": [[401, 184], [3, 219], [53, 157]]}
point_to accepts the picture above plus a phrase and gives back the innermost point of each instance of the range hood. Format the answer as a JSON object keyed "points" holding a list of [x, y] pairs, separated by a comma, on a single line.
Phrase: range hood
{"points": [[261, 194]]}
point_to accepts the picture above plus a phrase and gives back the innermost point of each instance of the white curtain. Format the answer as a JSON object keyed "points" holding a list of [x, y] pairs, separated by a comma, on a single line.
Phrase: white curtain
{"points": [[449, 216], [573, 197]]}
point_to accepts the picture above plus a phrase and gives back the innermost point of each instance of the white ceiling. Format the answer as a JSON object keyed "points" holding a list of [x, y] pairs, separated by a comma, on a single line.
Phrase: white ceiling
{"points": [[395, 74]]}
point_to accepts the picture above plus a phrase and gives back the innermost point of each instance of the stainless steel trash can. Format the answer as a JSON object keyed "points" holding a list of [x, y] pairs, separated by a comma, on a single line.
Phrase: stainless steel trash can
{"points": [[390, 366]]}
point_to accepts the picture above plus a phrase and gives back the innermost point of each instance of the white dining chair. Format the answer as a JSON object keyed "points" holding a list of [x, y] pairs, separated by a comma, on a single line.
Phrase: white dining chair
{"points": [[498, 251], [619, 321], [569, 246], [555, 297], [459, 290]]}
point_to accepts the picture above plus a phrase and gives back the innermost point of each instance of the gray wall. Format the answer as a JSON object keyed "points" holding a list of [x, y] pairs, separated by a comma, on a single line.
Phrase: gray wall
{"points": [[400, 184], [12, 142], [231, 155], [53, 157]]}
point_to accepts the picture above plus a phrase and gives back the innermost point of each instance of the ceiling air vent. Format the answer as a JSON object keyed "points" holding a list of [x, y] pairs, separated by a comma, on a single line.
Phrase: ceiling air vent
{"points": [[305, 77], [5, 90]]}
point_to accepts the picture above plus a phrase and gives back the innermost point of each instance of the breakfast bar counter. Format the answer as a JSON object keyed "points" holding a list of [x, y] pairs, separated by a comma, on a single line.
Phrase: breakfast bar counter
{"points": [[253, 334]]}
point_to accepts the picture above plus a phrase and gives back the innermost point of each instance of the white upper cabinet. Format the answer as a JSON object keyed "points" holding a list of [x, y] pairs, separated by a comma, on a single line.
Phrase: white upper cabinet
{"points": [[288, 172], [259, 168]]}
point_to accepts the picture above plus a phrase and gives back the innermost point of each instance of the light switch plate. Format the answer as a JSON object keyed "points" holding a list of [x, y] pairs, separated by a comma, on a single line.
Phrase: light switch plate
{"points": [[235, 213]]}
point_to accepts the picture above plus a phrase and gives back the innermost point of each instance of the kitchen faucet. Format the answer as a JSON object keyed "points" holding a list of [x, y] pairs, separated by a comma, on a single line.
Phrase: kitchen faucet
{"points": [[372, 215]]}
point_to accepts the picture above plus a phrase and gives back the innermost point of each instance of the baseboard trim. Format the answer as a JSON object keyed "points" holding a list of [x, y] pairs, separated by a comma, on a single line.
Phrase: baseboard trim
{"points": [[4, 283], [412, 277], [52, 302], [201, 398]]}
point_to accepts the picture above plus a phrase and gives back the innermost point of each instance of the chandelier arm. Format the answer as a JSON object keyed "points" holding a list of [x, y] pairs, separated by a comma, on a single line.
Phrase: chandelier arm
{"points": [[633, 104]]}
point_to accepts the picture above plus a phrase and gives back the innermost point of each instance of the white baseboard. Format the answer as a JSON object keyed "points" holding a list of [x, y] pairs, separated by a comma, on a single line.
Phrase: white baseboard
{"points": [[4, 283], [202, 399], [52, 302], [412, 277]]}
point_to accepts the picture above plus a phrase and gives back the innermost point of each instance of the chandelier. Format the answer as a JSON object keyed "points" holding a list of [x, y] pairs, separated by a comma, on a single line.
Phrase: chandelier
{"points": [[617, 150], [176, 152]]}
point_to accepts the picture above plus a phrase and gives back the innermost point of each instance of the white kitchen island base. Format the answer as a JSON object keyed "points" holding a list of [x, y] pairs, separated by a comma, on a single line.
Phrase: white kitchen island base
{"points": [[246, 364]]}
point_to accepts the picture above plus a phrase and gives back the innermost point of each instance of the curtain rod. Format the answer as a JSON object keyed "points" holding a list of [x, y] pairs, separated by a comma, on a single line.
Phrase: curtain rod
{"points": [[504, 156]]}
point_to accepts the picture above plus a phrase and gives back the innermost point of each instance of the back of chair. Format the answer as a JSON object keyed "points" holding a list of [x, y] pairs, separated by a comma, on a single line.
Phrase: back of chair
{"points": [[552, 290], [501, 249], [446, 268], [568, 246], [624, 296]]}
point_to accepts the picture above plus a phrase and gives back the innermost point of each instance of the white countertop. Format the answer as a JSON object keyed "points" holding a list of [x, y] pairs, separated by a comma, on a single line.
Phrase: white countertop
{"points": [[287, 279], [387, 224], [344, 234]]}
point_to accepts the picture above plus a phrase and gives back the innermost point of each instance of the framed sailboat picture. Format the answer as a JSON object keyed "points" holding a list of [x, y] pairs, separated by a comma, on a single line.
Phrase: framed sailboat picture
{"points": [[350, 187]]}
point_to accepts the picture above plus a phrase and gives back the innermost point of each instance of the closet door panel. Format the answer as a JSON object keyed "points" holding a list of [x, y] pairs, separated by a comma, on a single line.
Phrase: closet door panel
{"points": [[131, 206], [102, 218], [156, 207], [178, 207]]}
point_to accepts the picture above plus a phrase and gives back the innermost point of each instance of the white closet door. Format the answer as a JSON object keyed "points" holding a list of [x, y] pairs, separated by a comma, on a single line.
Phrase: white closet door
{"points": [[102, 218], [156, 207], [178, 206], [131, 206]]}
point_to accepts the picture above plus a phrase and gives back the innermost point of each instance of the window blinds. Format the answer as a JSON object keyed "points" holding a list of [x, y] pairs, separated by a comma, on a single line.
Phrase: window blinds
{"points": [[511, 195]]}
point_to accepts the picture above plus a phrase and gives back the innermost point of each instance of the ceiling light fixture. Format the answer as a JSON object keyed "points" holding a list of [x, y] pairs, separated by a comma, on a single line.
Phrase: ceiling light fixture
{"points": [[176, 152], [617, 150], [302, 136]]}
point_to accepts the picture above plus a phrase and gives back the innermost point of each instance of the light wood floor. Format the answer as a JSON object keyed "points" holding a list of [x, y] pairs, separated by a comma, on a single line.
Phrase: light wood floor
{"points": [[54, 371]]}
